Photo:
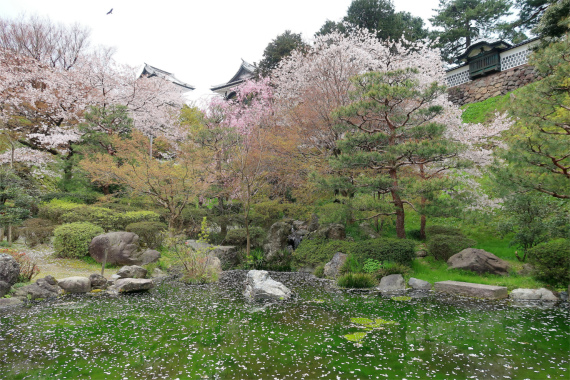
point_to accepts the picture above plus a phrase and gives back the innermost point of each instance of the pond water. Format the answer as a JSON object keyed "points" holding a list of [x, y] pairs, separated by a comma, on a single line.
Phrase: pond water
{"points": [[210, 332]]}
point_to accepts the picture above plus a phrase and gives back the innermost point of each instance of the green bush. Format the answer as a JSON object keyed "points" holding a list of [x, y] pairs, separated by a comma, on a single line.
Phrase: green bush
{"points": [[130, 217], [351, 265], [72, 240], [551, 261], [356, 280], [315, 252], [37, 231], [238, 237], [109, 220], [389, 268], [319, 271], [442, 247], [87, 198], [151, 234], [371, 266], [442, 230], [55, 209], [414, 234]]}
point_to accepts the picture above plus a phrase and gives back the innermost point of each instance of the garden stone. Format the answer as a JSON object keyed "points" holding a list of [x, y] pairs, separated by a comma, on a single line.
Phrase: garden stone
{"points": [[132, 271], [158, 273], [9, 272], [471, 290], [122, 248], [421, 253], [526, 270], [75, 284], [563, 296], [331, 232], [10, 302], [42, 288], [277, 238], [332, 267], [228, 255], [417, 284], [50, 280], [392, 283], [213, 264], [98, 281], [132, 285], [259, 286], [478, 260], [541, 294]]}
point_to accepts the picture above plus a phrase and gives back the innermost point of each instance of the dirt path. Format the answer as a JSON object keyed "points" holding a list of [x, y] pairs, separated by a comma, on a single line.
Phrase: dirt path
{"points": [[59, 268]]}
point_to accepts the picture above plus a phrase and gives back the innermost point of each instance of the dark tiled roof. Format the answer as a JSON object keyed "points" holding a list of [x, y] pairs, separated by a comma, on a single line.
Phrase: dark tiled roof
{"points": [[152, 71], [244, 72]]}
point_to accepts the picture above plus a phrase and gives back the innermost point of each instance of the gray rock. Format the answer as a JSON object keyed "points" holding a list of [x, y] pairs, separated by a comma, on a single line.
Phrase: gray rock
{"points": [[41, 289], [421, 253], [332, 267], [331, 232], [122, 248], [75, 284], [313, 224], [563, 296], [526, 270], [132, 271], [132, 285], [277, 238], [541, 294], [478, 260], [9, 272], [259, 286], [228, 255], [158, 273], [213, 265], [392, 283], [471, 290], [417, 284], [98, 281], [50, 280], [10, 302]]}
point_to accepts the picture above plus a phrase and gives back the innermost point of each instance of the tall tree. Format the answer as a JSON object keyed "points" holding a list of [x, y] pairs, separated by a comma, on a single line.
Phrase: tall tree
{"points": [[279, 48], [460, 22]]}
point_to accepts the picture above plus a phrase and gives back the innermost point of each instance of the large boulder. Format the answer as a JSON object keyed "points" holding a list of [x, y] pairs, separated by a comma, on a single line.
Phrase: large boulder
{"points": [[541, 294], [392, 283], [478, 260], [43, 288], [132, 271], [75, 284], [9, 272], [132, 285], [332, 268], [277, 238], [10, 302], [259, 286], [98, 281], [330, 232], [122, 249], [418, 284]]}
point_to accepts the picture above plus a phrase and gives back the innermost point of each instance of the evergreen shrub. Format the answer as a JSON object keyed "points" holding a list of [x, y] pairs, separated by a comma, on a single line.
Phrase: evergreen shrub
{"points": [[55, 209], [238, 237], [37, 231], [356, 280], [442, 247], [442, 230], [551, 261], [72, 240], [86, 198], [151, 234]]}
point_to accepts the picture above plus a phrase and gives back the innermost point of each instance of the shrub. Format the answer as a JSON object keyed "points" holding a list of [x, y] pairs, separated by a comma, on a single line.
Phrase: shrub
{"points": [[72, 240], [371, 266], [389, 268], [319, 271], [55, 209], [87, 198], [318, 251], [109, 220], [442, 230], [28, 266], [551, 261], [414, 234], [351, 265], [442, 247], [130, 217], [356, 280], [238, 237], [151, 234], [37, 231]]}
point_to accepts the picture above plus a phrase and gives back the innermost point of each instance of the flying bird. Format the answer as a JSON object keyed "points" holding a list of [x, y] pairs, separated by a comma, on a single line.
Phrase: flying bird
{"points": [[111, 11]]}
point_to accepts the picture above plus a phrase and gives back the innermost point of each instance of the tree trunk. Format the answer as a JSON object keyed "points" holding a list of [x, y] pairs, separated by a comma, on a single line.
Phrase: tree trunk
{"points": [[68, 167], [400, 226], [223, 220], [422, 204], [2, 234], [150, 147], [9, 234], [423, 227]]}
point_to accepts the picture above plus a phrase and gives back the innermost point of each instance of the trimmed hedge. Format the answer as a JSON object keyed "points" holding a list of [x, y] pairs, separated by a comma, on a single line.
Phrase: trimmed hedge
{"points": [[315, 252], [55, 209], [108, 219], [87, 198], [551, 261], [238, 237], [442, 247], [72, 240], [151, 234]]}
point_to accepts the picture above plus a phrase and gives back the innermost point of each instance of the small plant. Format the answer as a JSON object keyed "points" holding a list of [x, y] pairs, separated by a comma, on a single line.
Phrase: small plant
{"points": [[389, 268], [371, 266], [319, 271], [196, 262], [356, 337], [356, 280], [28, 266]]}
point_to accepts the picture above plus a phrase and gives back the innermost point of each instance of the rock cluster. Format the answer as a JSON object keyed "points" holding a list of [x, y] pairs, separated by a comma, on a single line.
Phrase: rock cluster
{"points": [[9, 272], [492, 85], [122, 248]]}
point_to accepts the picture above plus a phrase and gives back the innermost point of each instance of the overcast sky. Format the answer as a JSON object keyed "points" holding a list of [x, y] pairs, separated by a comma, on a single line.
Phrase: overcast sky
{"points": [[201, 42]]}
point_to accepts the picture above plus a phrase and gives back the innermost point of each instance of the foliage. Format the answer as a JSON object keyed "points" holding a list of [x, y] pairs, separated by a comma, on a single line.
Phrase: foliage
{"points": [[442, 247], [315, 252], [56, 208], [533, 218], [16, 198], [196, 263], [551, 261], [319, 271], [37, 231], [371, 265], [485, 111], [356, 280], [460, 22], [28, 266], [87, 198], [279, 48], [443, 230], [537, 156], [72, 240], [555, 20], [151, 234], [238, 237], [389, 268], [109, 220]]}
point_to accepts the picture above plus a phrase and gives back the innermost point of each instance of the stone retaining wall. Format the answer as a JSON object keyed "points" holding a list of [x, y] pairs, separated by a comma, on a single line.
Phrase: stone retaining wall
{"points": [[492, 85]]}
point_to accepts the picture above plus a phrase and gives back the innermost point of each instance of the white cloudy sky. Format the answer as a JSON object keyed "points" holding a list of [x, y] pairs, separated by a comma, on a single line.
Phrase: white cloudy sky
{"points": [[202, 42]]}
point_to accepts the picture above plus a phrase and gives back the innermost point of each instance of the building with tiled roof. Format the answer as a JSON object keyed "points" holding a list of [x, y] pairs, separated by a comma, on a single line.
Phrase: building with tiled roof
{"points": [[245, 72], [151, 71]]}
